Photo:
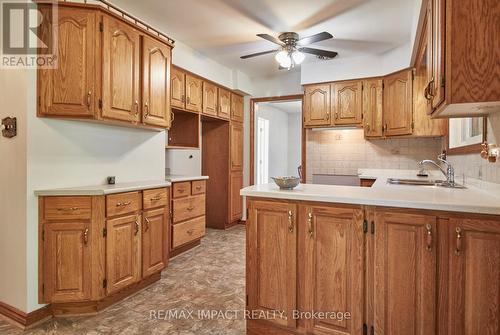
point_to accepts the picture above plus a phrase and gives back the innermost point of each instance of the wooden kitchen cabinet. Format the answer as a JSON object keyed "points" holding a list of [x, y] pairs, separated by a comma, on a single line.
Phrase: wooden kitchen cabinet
{"points": [[317, 105], [372, 108], [237, 108], [154, 236], [236, 143], [121, 71], [272, 260], [123, 252], [70, 89], [332, 276], [178, 88], [194, 93], [224, 103], [347, 102], [474, 286], [67, 261], [405, 278], [236, 201], [156, 61], [398, 106], [210, 99]]}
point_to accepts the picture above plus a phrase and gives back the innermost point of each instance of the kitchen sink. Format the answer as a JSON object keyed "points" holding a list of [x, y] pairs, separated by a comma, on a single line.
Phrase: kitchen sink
{"points": [[422, 182]]}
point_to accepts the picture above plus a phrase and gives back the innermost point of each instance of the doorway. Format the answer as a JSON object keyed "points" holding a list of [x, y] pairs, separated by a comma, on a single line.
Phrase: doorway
{"points": [[276, 146]]}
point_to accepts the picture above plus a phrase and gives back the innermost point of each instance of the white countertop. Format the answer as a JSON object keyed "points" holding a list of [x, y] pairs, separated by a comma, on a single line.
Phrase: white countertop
{"points": [[104, 189], [174, 178], [469, 200]]}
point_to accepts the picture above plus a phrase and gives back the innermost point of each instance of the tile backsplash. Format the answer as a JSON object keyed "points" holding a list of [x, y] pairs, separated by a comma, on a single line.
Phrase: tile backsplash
{"points": [[344, 151]]}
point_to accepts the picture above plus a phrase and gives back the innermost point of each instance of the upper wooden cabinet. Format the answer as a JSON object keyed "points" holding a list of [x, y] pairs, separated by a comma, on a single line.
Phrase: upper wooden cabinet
{"points": [[236, 145], [120, 71], [346, 102], [474, 255], [272, 260], [465, 53], [405, 280], [333, 266], [317, 105], [156, 59], [224, 103], [101, 62], [372, 107], [398, 110], [236, 107], [70, 89], [210, 99], [178, 88], [194, 93]]}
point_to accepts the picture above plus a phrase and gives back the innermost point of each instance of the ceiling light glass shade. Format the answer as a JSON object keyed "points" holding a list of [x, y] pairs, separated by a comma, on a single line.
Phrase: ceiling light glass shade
{"points": [[287, 62], [298, 57], [282, 57]]}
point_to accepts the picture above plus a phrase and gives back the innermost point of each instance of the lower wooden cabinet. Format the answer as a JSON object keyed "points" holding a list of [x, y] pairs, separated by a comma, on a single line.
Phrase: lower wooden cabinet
{"points": [[405, 262], [67, 260], [474, 283], [272, 260], [332, 275], [236, 201], [395, 271], [89, 252]]}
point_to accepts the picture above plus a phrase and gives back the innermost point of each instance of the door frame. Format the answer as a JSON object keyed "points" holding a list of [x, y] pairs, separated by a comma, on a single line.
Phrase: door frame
{"points": [[253, 103]]}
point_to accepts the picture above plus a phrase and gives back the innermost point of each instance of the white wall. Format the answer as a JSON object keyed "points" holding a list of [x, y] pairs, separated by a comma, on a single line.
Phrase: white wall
{"points": [[294, 143], [286, 83], [13, 277]]}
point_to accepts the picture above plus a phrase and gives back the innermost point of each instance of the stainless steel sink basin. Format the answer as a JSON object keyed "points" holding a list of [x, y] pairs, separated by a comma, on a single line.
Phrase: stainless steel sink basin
{"points": [[422, 182]]}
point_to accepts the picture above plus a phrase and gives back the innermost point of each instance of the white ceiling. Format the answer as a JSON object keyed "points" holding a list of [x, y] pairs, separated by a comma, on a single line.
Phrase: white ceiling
{"points": [[291, 107], [224, 30]]}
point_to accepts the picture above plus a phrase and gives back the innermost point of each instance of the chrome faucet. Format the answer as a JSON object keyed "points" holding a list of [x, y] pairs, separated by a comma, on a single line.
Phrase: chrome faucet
{"points": [[448, 171]]}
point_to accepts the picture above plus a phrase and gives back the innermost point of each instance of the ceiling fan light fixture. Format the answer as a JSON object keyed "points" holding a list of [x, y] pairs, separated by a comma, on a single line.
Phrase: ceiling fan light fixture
{"points": [[282, 57], [298, 57]]}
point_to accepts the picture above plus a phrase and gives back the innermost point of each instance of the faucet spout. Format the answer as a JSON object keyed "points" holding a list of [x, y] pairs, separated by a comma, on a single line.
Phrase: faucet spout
{"points": [[449, 172]]}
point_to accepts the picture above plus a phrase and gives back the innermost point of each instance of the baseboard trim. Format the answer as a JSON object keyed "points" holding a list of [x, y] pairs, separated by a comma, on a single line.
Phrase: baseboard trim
{"points": [[22, 319]]}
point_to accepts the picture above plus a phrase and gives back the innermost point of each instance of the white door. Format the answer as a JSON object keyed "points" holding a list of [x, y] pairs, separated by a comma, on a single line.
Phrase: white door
{"points": [[262, 160]]}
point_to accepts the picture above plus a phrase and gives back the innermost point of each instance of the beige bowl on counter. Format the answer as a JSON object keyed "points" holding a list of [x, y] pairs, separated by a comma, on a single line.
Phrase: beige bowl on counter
{"points": [[286, 183]]}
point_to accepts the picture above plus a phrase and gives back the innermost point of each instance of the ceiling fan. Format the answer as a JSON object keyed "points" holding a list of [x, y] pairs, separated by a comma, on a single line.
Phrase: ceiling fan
{"points": [[292, 48]]}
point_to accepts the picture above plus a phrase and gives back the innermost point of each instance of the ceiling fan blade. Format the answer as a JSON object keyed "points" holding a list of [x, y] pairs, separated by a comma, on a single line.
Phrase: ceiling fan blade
{"points": [[318, 52], [259, 54], [315, 38], [271, 39]]}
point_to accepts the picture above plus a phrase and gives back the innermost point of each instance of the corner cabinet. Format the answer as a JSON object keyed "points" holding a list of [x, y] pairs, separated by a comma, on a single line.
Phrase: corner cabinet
{"points": [[398, 111], [394, 270], [93, 250], [102, 60]]}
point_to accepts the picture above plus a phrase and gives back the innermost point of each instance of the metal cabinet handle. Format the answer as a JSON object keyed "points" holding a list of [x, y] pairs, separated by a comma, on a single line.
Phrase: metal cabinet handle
{"points": [[136, 226], [428, 239], [327, 116], [188, 100], [136, 108], [123, 204], [367, 127], [183, 98], [86, 236], [198, 187], [172, 117], [71, 209], [146, 110], [190, 232], [310, 222], [290, 222], [190, 208], [458, 247], [89, 99], [146, 226], [155, 198]]}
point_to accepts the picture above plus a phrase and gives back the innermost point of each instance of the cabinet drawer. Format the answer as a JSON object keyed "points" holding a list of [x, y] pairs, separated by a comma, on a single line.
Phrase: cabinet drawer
{"points": [[198, 187], [122, 203], [61, 208], [188, 208], [188, 231], [181, 189], [154, 198]]}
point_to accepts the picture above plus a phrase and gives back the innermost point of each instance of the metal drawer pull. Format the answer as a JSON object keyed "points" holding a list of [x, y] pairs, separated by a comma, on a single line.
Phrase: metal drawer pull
{"points": [[146, 110], [86, 236], [458, 248], [123, 204], [190, 232], [290, 222], [89, 98], [190, 208], [309, 221], [156, 198], [71, 209], [136, 226], [428, 240], [181, 190], [146, 226]]}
